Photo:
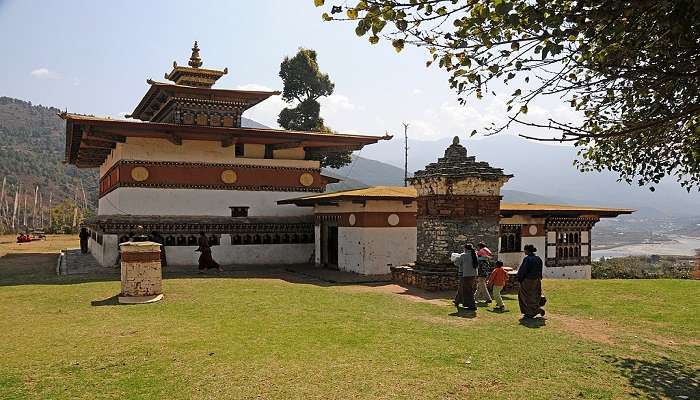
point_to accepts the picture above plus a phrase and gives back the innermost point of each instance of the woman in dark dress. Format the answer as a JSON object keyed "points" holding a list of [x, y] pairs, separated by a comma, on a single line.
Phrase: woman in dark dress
{"points": [[205, 259], [530, 278]]}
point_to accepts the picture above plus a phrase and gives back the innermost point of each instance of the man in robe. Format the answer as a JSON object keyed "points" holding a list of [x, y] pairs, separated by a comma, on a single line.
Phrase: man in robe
{"points": [[205, 259], [467, 265], [84, 235], [530, 278]]}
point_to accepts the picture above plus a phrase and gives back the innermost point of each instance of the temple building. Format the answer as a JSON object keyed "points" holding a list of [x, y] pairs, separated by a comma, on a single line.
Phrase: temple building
{"points": [[410, 232], [183, 164]]}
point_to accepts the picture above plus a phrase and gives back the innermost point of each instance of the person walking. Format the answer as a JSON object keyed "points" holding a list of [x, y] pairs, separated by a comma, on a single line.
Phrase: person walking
{"points": [[205, 259], [530, 279], [84, 235], [498, 279], [483, 255], [467, 265]]}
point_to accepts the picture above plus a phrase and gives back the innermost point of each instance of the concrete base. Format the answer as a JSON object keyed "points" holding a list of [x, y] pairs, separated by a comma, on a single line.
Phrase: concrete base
{"points": [[140, 299]]}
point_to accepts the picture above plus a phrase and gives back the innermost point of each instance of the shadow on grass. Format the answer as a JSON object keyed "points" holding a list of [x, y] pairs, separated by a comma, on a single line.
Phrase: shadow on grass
{"points": [[533, 323], [664, 379], [463, 313], [39, 269], [110, 301]]}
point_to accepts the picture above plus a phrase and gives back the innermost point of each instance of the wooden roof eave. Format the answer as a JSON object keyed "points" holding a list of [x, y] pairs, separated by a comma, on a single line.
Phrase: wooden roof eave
{"points": [[193, 132], [108, 132], [567, 213], [253, 97]]}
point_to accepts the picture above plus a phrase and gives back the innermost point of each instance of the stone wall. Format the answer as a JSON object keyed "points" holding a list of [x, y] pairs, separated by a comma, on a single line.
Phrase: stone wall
{"points": [[437, 238]]}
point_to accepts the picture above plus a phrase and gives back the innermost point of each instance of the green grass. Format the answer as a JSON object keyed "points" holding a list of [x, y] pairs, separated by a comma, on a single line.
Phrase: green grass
{"points": [[215, 338]]}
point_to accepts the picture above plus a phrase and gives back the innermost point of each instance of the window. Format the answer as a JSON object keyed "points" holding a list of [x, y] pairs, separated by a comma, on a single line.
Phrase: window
{"points": [[239, 211], [568, 249], [511, 238], [240, 149], [269, 151]]}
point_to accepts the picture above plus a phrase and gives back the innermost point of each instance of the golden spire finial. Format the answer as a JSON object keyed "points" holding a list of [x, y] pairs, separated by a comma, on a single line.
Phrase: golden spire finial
{"points": [[195, 61]]}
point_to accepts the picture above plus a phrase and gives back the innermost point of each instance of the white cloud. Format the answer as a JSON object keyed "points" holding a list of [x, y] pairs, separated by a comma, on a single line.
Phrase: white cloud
{"points": [[44, 73], [337, 107], [417, 91]]}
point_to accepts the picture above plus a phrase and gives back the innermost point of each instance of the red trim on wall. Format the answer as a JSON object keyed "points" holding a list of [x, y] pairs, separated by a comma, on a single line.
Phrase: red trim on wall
{"points": [[458, 206], [369, 219], [525, 232], [180, 175]]}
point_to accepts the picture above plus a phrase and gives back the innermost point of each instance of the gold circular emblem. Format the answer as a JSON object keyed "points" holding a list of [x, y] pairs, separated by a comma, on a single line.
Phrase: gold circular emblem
{"points": [[532, 230], [393, 220], [306, 179], [352, 219], [229, 176], [139, 174]]}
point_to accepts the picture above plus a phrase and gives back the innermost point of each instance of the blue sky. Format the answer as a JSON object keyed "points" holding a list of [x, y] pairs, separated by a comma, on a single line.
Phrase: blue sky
{"points": [[94, 57]]}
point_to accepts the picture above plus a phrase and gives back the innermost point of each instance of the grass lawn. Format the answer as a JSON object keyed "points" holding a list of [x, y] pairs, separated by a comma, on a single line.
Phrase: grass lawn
{"points": [[276, 337]]}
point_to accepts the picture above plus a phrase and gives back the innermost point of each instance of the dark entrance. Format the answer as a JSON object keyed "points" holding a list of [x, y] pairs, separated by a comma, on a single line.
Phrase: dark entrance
{"points": [[329, 245], [333, 247]]}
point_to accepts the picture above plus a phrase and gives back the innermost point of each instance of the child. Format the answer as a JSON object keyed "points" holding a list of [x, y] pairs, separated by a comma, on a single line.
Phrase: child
{"points": [[485, 264], [498, 279]]}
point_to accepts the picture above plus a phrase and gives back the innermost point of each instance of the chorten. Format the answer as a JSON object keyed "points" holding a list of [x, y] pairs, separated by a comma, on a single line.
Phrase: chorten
{"points": [[458, 202]]}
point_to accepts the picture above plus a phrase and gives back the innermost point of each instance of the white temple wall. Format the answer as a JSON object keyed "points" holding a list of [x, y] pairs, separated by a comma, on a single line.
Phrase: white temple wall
{"points": [[160, 201], [253, 254], [512, 260], [568, 272], [225, 253], [369, 251], [105, 254]]}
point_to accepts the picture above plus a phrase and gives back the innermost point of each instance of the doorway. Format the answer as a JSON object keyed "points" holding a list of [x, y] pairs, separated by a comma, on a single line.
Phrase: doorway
{"points": [[329, 245]]}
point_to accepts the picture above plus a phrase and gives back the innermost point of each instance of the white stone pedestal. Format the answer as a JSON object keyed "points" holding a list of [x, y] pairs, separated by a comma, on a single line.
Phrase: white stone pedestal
{"points": [[141, 275]]}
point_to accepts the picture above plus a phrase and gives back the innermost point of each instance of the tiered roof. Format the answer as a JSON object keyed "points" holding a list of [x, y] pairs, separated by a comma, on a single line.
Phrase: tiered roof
{"points": [[190, 109], [457, 164], [155, 102]]}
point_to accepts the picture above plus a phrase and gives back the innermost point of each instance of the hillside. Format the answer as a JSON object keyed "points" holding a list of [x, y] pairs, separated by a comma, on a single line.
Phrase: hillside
{"points": [[32, 148], [32, 142]]}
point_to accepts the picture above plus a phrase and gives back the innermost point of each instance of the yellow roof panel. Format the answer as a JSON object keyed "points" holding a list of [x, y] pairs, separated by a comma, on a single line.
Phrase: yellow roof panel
{"points": [[407, 193]]}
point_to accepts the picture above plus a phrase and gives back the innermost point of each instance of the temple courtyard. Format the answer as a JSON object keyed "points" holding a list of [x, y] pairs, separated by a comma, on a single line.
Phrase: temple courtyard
{"points": [[274, 333]]}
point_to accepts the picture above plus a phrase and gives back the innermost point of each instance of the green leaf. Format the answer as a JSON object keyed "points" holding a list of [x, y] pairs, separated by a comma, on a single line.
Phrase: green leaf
{"points": [[326, 17], [352, 13], [374, 39], [523, 109], [319, 3]]}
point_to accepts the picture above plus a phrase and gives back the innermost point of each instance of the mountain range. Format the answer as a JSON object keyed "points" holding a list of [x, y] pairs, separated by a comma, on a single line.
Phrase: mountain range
{"points": [[543, 173]]}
